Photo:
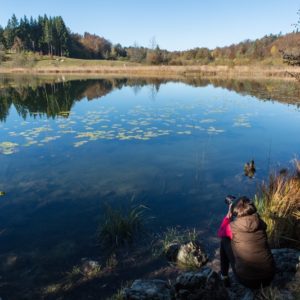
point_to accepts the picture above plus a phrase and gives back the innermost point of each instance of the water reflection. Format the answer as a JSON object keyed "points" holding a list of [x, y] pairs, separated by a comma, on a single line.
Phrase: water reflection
{"points": [[56, 97], [176, 148]]}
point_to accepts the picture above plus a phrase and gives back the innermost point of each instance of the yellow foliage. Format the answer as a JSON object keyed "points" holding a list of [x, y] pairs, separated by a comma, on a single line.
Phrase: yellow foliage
{"points": [[274, 51]]}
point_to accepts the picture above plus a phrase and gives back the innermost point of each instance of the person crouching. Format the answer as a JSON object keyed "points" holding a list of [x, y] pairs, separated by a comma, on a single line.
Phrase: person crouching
{"points": [[244, 246]]}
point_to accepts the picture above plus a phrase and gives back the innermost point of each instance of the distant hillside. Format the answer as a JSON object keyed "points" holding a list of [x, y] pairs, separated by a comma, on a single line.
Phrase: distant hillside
{"points": [[51, 36]]}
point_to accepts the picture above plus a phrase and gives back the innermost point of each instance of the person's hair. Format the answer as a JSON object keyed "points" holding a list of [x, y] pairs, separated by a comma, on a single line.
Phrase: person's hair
{"points": [[243, 207]]}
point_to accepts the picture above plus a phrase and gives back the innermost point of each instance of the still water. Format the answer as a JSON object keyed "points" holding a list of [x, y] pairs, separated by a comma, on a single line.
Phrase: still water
{"points": [[67, 147]]}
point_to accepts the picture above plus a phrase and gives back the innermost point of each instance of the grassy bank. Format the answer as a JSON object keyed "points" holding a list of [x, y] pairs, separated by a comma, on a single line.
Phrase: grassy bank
{"points": [[278, 202], [62, 65]]}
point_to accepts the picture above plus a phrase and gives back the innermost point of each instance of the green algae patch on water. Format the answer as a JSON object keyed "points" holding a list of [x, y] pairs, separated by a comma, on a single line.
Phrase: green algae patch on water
{"points": [[188, 132], [30, 143], [50, 138], [242, 121], [78, 144], [8, 148], [208, 120], [213, 130]]}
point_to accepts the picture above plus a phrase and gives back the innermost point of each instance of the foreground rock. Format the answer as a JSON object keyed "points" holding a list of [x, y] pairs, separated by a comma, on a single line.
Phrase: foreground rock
{"points": [[286, 280], [189, 254], [89, 268], [148, 290], [287, 265], [205, 284]]}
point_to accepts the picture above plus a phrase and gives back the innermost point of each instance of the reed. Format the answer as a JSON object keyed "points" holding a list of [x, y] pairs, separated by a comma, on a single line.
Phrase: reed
{"points": [[78, 67], [278, 203], [121, 226]]}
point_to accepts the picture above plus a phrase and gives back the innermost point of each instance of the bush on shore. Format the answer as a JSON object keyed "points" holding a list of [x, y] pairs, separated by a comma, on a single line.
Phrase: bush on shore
{"points": [[278, 203]]}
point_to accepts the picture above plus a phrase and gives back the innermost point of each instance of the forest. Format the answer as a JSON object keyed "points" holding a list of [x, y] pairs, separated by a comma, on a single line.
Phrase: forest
{"points": [[51, 36]]}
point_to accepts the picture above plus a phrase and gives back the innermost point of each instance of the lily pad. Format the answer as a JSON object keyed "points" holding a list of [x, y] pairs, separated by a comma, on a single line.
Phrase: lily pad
{"points": [[78, 144], [8, 148]]}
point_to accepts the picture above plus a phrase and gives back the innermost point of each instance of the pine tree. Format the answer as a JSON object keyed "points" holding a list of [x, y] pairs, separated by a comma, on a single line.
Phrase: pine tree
{"points": [[2, 39]]}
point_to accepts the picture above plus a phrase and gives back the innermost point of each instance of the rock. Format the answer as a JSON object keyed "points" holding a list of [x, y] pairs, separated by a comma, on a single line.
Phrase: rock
{"points": [[205, 284], [287, 265], [90, 266], [191, 255], [287, 270], [148, 290], [172, 251]]}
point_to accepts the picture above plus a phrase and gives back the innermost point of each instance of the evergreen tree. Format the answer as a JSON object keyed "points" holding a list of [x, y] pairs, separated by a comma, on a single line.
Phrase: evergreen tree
{"points": [[2, 39], [9, 34]]}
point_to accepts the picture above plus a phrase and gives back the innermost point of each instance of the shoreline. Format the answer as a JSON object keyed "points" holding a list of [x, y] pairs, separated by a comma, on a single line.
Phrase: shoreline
{"points": [[257, 72]]}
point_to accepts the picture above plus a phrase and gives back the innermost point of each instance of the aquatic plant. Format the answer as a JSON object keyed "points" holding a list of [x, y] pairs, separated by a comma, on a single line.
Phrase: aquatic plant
{"points": [[121, 226], [111, 262], [242, 121], [278, 202], [119, 295], [8, 148]]}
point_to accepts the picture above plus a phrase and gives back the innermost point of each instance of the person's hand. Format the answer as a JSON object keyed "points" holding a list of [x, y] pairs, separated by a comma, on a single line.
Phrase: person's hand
{"points": [[229, 214]]}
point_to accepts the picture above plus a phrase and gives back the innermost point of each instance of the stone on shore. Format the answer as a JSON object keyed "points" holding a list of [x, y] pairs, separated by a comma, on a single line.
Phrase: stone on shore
{"points": [[148, 290], [204, 284], [189, 254]]}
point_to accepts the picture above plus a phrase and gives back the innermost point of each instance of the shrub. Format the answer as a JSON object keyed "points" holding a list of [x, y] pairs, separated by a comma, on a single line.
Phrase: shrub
{"points": [[24, 59], [279, 205], [2, 56]]}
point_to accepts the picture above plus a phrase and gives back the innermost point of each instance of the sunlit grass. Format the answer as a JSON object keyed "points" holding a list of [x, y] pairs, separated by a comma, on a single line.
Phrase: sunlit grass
{"points": [[279, 205], [171, 236]]}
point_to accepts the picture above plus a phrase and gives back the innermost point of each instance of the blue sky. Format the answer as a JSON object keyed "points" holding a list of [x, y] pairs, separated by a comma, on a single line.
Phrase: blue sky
{"points": [[176, 25]]}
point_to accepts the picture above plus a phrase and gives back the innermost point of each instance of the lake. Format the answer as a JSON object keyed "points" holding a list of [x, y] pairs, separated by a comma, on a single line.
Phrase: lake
{"points": [[68, 147]]}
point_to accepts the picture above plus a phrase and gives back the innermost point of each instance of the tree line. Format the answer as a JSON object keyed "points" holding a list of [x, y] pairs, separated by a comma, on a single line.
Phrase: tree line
{"points": [[50, 36]]}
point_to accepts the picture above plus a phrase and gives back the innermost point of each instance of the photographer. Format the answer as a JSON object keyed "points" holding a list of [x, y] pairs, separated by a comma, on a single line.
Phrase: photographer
{"points": [[244, 245]]}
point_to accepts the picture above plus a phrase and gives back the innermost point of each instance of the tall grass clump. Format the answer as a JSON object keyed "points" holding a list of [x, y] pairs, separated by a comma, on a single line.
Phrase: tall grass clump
{"points": [[172, 235], [121, 226], [278, 203]]}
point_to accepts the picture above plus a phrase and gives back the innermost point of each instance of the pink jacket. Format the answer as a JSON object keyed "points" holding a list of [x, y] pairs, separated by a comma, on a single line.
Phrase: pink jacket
{"points": [[225, 230]]}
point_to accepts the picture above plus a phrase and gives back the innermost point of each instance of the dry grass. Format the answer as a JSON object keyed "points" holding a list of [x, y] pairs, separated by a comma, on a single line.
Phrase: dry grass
{"points": [[72, 66], [31, 63], [279, 205]]}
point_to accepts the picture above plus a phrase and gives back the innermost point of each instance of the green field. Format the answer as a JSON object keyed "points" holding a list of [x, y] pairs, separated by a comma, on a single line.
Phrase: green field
{"points": [[14, 60]]}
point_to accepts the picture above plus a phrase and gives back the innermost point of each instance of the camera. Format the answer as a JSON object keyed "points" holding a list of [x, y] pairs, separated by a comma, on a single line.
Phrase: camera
{"points": [[229, 199]]}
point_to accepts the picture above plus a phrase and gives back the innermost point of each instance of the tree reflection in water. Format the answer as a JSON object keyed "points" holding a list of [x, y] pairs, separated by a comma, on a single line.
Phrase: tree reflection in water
{"points": [[52, 97]]}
